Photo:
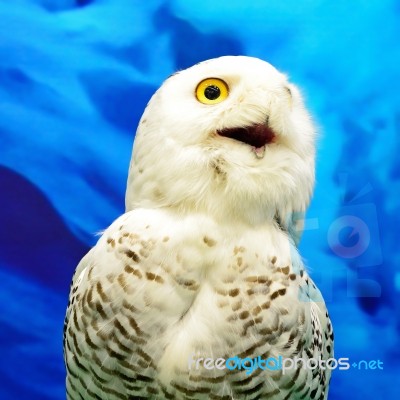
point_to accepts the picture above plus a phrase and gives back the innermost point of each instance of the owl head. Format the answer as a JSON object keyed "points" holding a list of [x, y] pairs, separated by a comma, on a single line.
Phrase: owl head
{"points": [[229, 137]]}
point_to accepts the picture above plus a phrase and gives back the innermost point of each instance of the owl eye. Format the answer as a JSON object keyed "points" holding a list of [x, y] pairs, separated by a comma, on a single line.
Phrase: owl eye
{"points": [[212, 91]]}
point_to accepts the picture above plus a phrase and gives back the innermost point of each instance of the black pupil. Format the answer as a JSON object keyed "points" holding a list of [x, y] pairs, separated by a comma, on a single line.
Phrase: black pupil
{"points": [[212, 92]]}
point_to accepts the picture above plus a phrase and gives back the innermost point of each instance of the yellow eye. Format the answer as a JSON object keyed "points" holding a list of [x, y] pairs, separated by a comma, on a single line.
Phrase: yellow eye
{"points": [[212, 91]]}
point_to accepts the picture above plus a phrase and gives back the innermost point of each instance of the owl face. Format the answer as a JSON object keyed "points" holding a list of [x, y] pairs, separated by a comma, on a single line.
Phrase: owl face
{"points": [[228, 136]]}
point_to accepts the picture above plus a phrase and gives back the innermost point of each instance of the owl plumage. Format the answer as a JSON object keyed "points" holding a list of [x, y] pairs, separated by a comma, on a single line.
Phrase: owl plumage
{"points": [[204, 263]]}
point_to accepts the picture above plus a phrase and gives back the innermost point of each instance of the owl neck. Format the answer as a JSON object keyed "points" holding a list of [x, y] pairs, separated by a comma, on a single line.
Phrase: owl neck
{"points": [[222, 212], [190, 192]]}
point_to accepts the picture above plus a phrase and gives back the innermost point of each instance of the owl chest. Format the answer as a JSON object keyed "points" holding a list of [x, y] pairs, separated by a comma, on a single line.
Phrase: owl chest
{"points": [[160, 297], [212, 283]]}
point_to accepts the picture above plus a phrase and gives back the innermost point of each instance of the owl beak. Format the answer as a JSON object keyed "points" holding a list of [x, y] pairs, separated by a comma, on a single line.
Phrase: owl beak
{"points": [[257, 136]]}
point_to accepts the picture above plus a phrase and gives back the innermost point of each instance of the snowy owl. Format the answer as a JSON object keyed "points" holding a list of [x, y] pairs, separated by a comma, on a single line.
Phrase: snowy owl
{"points": [[198, 291]]}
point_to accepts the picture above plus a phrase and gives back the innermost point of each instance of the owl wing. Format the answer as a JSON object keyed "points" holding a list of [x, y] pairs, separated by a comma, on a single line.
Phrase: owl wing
{"points": [[121, 302], [77, 277], [320, 339]]}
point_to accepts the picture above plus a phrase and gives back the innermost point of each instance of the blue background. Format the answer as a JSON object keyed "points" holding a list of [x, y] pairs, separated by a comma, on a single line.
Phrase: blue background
{"points": [[75, 76]]}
